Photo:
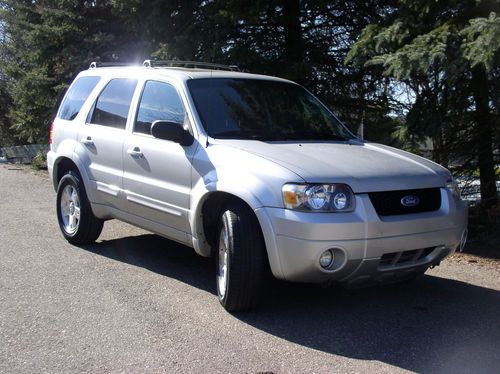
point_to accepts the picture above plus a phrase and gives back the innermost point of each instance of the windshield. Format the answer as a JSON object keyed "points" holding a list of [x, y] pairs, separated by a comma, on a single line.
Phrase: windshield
{"points": [[262, 110]]}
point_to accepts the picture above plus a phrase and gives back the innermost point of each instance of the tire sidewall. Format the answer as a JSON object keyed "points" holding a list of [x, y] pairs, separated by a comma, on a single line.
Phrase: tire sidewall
{"points": [[246, 257]]}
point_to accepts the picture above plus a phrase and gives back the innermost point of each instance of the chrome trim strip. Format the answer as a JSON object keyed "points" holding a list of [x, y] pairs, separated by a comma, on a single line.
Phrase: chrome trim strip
{"points": [[108, 189], [152, 203]]}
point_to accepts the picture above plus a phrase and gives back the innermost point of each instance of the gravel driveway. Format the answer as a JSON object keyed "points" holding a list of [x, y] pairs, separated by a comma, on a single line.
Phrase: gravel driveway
{"points": [[135, 302]]}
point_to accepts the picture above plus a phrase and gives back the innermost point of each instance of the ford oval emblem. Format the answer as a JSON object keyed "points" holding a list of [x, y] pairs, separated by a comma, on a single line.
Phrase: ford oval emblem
{"points": [[410, 200]]}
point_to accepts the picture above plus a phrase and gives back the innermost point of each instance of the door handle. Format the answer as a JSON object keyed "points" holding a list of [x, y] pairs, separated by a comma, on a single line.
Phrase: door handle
{"points": [[87, 141], [135, 152]]}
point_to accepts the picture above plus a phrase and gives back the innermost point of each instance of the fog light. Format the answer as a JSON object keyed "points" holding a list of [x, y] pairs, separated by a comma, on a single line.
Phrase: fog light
{"points": [[326, 259]]}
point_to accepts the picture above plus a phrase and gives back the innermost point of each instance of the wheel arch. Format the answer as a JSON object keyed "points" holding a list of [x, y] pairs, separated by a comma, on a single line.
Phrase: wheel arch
{"points": [[205, 218], [65, 163], [211, 209]]}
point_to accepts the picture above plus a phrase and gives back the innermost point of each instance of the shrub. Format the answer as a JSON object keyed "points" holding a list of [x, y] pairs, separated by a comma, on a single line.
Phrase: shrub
{"points": [[39, 162]]}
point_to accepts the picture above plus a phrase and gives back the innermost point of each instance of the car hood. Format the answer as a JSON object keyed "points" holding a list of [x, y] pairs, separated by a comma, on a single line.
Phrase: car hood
{"points": [[365, 167]]}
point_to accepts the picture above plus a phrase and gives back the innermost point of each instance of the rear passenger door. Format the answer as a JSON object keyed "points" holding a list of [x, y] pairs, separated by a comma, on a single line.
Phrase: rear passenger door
{"points": [[157, 173], [101, 139]]}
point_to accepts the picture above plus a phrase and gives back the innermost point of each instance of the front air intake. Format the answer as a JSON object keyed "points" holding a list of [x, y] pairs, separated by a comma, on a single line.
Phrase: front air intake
{"points": [[392, 203]]}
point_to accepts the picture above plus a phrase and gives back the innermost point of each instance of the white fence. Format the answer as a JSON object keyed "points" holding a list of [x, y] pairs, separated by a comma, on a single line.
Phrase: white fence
{"points": [[470, 189]]}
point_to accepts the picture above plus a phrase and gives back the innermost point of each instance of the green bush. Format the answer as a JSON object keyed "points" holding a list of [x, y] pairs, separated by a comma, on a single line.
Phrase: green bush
{"points": [[39, 162]]}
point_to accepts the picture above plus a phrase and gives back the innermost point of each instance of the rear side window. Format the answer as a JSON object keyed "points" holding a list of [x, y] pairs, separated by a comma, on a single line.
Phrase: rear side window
{"points": [[76, 96], [159, 101], [112, 105]]}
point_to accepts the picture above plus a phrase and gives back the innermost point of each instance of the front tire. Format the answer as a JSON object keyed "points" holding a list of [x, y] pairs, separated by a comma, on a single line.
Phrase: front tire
{"points": [[76, 219], [241, 257]]}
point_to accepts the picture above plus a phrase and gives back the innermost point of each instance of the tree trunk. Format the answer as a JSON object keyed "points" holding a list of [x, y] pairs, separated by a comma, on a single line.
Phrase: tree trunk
{"points": [[484, 136], [294, 44], [437, 149]]}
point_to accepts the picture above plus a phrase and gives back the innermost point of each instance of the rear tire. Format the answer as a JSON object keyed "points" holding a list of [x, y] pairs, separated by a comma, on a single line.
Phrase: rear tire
{"points": [[76, 219], [241, 258]]}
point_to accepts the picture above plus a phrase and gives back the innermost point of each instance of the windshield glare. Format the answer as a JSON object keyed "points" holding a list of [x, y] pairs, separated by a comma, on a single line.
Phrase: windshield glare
{"points": [[262, 110]]}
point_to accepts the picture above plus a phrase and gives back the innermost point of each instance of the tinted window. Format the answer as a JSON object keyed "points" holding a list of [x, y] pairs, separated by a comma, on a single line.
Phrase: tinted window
{"points": [[112, 106], [159, 101], [263, 110], [76, 96]]}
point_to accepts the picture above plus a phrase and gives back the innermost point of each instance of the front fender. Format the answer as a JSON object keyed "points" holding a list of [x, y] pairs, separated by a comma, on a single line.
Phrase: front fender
{"points": [[261, 195], [218, 182]]}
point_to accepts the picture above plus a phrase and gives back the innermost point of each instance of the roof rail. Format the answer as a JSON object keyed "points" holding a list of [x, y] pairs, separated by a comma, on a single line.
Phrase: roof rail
{"points": [[97, 64], [188, 64]]}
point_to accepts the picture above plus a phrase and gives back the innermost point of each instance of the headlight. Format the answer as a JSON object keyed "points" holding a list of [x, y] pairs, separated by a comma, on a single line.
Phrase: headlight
{"points": [[452, 186], [319, 197]]}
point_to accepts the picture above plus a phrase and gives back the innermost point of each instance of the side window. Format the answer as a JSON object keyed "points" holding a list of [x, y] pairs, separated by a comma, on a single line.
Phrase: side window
{"points": [[112, 105], [159, 101], [76, 96]]}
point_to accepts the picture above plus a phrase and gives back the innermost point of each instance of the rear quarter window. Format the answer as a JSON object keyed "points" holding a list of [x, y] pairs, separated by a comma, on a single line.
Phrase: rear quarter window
{"points": [[76, 97], [113, 104]]}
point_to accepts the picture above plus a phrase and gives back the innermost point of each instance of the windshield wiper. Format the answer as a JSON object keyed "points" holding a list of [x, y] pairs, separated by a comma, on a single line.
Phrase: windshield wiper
{"points": [[264, 136], [234, 134], [238, 134], [312, 136]]}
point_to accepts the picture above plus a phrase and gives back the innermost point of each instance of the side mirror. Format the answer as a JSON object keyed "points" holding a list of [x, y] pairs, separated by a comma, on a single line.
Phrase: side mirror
{"points": [[172, 131]]}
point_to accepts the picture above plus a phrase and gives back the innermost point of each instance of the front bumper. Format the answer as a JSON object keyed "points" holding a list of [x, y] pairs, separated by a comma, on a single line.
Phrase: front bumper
{"points": [[366, 246]]}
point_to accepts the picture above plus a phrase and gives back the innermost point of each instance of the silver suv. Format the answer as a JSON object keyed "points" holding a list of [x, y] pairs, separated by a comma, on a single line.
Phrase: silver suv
{"points": [[251, 169]]}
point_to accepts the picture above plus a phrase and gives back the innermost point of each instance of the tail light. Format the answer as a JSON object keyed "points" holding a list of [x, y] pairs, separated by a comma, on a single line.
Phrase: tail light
{"points": [[50, 134]]}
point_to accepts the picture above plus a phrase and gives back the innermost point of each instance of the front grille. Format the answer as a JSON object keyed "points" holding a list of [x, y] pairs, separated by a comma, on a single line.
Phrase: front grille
{"points": [[389, 203], [404, 257]]}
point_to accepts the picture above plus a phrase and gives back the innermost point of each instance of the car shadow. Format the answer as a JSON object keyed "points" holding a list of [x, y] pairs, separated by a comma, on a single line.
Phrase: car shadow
{"points": [[488, 248], [161, 256], [427, 325]]}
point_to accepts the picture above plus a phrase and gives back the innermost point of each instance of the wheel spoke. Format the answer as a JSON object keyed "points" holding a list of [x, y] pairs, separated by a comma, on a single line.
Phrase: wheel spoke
{"points": [[77, 212], [71, 222], [64, 200], [74, 196], [68, 192], [65, 209]]}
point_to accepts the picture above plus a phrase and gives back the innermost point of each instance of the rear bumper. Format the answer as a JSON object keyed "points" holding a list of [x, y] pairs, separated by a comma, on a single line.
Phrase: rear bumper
{"points": [[51, 156], [366, 246]]}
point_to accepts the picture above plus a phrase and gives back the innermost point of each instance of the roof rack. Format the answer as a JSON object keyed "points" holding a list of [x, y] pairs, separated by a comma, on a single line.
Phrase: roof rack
{"points": [[97, 64], [188, 64]]}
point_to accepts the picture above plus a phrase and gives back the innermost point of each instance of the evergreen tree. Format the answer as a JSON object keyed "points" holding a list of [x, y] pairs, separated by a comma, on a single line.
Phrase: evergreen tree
{"points": [[305, 41], [446, 53], [45, 44]]}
